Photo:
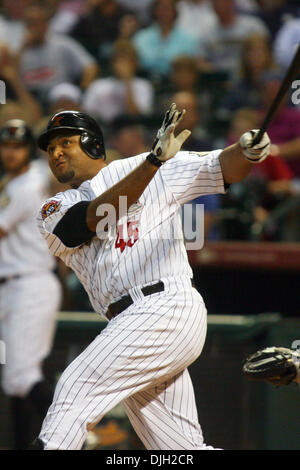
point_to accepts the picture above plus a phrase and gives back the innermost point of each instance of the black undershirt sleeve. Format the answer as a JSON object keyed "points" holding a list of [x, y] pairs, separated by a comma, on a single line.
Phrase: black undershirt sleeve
{"points": [[72, 229]]}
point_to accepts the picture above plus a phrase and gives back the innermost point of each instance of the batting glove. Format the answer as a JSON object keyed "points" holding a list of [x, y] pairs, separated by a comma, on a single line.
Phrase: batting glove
{"points": [[166, 145], [259, 152]]}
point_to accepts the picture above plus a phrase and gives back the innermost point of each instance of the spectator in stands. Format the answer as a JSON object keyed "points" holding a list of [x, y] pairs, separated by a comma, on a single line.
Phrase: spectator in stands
{"points": [[99, 27], [65, 14], [184, 76], [12, 27], [61, 97], [13, 110], [46, 60], [128, 137], [222, 44], [284, 130], [248, 6], [163, 41], [199, 139], [286, 42], [196, 17], [256, 59], [141, 8], [128, 26], [212, 205], [275, 13], [121, 93], [18, 98], [65, 96]]}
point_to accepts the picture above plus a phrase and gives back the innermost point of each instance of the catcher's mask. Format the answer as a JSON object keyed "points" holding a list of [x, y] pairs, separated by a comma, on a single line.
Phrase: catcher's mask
{"points": [[91, 138], [16, 130]]}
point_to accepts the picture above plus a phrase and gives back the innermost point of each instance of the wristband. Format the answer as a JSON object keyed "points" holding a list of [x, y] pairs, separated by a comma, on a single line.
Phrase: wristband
{"points": [[154, 160]]}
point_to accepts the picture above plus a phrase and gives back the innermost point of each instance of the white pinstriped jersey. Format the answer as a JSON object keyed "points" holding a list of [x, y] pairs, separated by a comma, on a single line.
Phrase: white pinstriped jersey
{"points": [[23, 250], [109, 268]]}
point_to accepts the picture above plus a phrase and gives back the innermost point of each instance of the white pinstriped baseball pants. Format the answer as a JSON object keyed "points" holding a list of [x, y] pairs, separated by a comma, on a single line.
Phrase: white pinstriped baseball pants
{"points": [[29, 305], [140, 358]]}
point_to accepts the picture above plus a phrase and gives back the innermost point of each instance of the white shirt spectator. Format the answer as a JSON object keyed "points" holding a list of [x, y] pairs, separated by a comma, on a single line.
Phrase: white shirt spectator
{"points": [[247, 6], [140, 7], [196, 18], [67, 14], [59, 59], [286, 42], [65, 90], [12, 33], [106, 98]]}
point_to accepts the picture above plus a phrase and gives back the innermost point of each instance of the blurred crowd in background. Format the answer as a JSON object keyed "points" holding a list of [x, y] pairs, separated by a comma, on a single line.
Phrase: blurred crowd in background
{"points": [[125, 61]]}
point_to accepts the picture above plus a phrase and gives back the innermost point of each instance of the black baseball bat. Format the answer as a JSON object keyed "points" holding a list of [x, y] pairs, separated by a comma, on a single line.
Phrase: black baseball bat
{"points": [[291, 73]]}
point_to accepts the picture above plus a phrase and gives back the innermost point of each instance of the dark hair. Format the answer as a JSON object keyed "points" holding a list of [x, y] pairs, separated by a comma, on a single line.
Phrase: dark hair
{"points": [[185, 62], [123, 121], [124, 47], [156, 3], [245, 70], [42, 7]]}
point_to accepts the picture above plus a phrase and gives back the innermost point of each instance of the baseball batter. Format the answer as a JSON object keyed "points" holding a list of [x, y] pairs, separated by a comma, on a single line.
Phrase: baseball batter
{"points": [[135, 270], [29, 291]]}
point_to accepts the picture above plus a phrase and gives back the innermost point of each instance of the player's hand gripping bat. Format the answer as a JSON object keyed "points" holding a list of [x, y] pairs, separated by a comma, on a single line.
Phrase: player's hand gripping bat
{"points": [[290, 75], [256, 143]]}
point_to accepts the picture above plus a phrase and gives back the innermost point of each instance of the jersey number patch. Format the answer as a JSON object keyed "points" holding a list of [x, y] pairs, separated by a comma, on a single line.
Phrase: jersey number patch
{"points": [[128, 239]]}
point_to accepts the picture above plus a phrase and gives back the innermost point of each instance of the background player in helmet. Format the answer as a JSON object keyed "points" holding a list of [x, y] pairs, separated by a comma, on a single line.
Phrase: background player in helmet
{"points": [[139, 279], [29, 291]]}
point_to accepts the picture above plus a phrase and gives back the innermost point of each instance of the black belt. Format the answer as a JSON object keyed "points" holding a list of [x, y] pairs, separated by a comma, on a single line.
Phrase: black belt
{"points": [[5, 279], [117, 307]]}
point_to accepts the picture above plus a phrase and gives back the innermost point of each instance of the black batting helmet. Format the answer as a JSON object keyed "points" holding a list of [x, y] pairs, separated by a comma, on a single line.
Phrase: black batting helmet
{"points": [[91, 138], [16, 130]]}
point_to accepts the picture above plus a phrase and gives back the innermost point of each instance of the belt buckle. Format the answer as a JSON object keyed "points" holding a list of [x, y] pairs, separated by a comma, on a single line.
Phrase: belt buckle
{"points": [[127, 300]]}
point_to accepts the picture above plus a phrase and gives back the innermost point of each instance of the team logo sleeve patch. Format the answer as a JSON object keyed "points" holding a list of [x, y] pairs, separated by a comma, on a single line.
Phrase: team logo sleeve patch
{"points": [[49, 208]]}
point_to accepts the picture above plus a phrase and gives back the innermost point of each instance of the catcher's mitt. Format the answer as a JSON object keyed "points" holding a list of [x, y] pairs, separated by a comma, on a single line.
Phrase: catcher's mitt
{"points": [[277, 366]]}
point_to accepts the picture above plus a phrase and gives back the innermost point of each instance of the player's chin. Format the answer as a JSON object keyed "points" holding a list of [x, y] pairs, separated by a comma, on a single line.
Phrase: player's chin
{"points": [[64, 176]]}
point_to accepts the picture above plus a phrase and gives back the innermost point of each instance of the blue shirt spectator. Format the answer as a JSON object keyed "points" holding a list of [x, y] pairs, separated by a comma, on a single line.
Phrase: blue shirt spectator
{"points": [[163, 41]]}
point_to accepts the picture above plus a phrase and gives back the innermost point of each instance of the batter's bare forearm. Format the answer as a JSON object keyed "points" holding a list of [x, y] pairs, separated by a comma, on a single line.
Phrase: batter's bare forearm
{"points": [[233, 163], [132, 187]]}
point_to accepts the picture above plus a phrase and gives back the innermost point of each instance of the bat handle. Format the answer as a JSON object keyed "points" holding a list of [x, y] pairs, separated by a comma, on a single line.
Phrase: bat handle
{"points": [[258, 136]]}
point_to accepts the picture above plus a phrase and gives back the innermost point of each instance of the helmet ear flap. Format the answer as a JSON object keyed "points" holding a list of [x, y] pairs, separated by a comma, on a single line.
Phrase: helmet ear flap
{"points": [[92, 146]]}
